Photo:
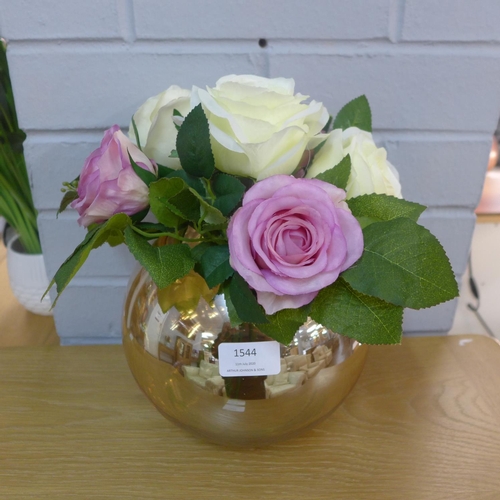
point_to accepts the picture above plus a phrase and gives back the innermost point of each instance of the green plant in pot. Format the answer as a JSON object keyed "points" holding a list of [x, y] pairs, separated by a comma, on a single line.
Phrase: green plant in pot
{"points": [[16, 204]]}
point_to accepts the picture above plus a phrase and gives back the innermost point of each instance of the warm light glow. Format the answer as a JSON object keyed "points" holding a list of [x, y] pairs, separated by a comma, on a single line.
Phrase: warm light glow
{"points": [[493, 160]]}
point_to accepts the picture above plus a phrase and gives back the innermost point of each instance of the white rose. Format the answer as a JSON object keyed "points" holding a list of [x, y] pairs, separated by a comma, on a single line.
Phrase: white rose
{"points": [[155, 124], [258, 126], [370, 170]]}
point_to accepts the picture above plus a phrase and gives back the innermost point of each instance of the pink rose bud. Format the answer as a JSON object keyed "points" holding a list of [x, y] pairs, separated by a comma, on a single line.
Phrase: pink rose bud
{"points": [[291, 238], [108, 184]]}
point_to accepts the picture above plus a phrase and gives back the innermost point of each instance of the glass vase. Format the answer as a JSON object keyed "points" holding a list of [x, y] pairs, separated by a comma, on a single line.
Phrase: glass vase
{"points": [[171, 339]]}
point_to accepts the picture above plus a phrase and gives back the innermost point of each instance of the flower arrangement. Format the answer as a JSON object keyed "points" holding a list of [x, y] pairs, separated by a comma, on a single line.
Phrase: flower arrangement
{"points": [[264, 196]]}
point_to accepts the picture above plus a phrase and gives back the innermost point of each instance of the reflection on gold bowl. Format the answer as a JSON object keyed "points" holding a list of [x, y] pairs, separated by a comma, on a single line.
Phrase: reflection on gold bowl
{"points": [[173, 357]]}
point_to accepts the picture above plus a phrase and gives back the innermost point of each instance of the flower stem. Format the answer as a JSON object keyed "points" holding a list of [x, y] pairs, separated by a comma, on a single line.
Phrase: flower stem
{"points": [[174, 236], [208, 188]]}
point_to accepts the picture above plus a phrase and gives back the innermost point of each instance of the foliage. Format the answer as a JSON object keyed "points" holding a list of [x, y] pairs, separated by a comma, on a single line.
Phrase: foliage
{"points": [[402, 265], [16, 203]]}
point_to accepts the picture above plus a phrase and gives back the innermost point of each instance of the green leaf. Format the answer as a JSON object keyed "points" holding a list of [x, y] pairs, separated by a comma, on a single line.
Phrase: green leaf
{"points": [[139, 215], [366, 221], [193, 144], [231, 311], [69, 197], [164, 171], [191, 181], [318, 148], [403, 263], [97, 236], [174, 202], [198, 250], [326, 128], [108, 230], [215, 265], [187, 204], [244, 301], [72, 264], [209, 213], [164, 264], [283, 325], [160, 194], [355, 113], [176, 112], [145, 175], [228, 191], [339, 174], [210, 228], [380, 207], [115, 237], [366, 319], [136, 134]]}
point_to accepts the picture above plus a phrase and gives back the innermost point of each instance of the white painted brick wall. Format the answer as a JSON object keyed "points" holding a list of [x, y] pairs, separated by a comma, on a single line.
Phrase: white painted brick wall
{"points": [[57, 19], [426, 165], [451, 20], [409, 88], [430, 69], [240, 19], [93, 86]]}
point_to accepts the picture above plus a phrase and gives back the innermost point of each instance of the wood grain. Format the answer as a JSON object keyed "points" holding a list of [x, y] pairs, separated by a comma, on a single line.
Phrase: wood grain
{"points": [[488, 218], [18, 327], [422, 423]]}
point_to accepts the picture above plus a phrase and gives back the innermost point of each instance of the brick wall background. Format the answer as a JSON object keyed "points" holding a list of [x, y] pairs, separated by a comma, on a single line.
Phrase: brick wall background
{"points": [[431, 71]]}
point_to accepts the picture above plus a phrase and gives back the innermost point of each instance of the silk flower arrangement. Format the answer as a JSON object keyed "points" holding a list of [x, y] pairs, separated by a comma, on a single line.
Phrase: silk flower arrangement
{"points": [[290, 213]]}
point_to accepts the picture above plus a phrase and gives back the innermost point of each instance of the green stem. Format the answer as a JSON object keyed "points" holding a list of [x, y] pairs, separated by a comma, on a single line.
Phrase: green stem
{"points": [[208, 188], [173, 235], [159, 235]]}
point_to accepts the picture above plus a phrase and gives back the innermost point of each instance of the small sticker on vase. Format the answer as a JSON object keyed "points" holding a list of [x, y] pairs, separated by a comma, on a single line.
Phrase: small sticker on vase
{"points": [[249, 359]]}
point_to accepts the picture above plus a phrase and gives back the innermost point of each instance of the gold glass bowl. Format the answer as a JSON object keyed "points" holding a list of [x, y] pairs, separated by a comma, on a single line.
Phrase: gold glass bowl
{"points": [[173, 357]]}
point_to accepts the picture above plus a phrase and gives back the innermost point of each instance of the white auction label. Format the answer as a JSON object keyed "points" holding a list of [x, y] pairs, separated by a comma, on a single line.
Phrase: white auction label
{"points": [[249, 359]]}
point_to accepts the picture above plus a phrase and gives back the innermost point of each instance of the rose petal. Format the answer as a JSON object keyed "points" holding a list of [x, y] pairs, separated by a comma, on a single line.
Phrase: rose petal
{"points": [[279, 154], [264, 190], [273, 303], [298, 286], [297, 234], [108, 184], [241, 258], [162, 135], [281, 85], [355, 242], [264, 126]]}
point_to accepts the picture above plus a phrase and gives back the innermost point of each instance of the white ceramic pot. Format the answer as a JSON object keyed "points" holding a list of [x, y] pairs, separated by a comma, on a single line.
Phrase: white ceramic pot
{"points": [[28, 278]]}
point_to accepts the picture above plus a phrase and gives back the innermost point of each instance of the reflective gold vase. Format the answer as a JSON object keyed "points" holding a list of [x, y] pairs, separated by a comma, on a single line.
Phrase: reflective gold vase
{"points": [[174, 358]]}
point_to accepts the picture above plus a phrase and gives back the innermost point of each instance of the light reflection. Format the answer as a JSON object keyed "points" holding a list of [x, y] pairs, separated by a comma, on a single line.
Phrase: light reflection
{"points": [[178, 370], [188, 341]]}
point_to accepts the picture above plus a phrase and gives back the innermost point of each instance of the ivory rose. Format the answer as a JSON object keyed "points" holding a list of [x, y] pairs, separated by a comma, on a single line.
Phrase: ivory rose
{"points": [[155, 124], [108, 184], [291, 238], [258, 126], [370, 170]]}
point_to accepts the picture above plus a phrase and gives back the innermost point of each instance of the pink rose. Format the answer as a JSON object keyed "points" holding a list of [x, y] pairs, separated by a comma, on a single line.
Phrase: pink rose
{"points": [[291, 238], [108, 184]]}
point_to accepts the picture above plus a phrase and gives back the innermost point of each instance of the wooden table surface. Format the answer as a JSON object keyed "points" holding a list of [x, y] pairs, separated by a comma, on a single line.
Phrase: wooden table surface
{"points": [[423, 422], [19, 327]]}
